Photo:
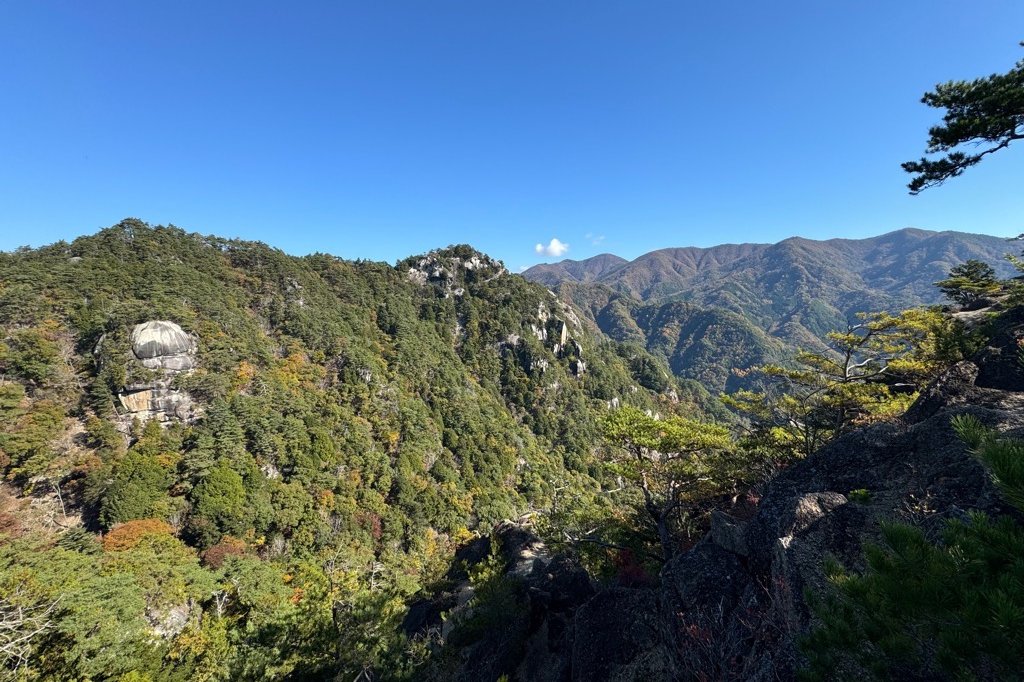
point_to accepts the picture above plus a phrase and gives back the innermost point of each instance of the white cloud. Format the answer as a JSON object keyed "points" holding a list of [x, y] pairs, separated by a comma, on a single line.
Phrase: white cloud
{"points": [[594, 239], [555, 248]]}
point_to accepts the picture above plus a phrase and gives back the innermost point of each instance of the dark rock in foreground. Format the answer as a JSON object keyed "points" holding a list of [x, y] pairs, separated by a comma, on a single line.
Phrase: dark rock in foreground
{"points": [[733, 607]]}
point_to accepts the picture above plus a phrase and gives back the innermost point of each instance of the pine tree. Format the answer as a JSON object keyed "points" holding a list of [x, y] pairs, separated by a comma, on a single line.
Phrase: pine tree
{"points": [[218, 505], [871, 372], [671, 461], [140, 481], [969, 283], [984, 111]]}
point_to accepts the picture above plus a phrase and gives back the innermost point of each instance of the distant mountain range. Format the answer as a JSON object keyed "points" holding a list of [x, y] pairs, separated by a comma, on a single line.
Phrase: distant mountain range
{"points": [[709, 311]]}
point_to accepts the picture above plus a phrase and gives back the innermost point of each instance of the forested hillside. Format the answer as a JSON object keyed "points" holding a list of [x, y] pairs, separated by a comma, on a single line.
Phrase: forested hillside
{"points": [[756, 302], [749, 463], [224, 462], [901, 264]]}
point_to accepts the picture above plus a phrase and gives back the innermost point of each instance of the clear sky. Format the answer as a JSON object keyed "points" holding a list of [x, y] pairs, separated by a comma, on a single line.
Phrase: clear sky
{"points": [[383, 128]]}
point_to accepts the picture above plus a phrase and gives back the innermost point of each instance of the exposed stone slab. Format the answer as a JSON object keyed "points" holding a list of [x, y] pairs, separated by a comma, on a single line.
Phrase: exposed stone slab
{"points": [[160, 344]]}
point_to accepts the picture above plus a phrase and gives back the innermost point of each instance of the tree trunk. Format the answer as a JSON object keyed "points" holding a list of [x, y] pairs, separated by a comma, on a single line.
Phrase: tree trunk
{"points": [[667, 547]]}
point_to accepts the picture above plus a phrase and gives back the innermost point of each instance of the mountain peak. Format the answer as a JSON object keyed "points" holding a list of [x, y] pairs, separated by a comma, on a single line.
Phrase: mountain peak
{"points": [[748, 298], [452, 267], [681, 264]]}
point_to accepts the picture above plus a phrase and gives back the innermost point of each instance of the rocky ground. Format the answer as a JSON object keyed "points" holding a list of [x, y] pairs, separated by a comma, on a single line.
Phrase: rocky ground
{"points": [[733, 606]]}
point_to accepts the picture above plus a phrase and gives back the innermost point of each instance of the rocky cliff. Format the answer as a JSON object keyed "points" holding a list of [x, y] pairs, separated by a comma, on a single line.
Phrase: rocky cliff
{"points": [[160, 352], [734, 606]]}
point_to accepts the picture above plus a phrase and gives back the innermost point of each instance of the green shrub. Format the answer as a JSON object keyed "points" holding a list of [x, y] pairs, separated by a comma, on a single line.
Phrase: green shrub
{"points": [[954, 609]]}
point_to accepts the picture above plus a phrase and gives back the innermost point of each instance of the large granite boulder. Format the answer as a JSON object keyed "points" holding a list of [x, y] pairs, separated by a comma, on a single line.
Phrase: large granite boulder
{"points": [[159, 344], [163, 351]]}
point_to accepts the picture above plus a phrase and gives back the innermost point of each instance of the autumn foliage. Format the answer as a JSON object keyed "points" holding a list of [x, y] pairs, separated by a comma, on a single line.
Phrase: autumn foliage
{"points": [[127, 536], [228, 546]]}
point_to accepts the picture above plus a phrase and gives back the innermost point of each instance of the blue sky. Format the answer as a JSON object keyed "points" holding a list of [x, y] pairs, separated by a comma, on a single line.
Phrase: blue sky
{"points": [[380, 129]]}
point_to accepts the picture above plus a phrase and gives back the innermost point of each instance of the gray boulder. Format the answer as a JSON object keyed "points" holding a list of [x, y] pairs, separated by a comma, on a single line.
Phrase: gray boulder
{"points": [[164, 351], [159, 344]]}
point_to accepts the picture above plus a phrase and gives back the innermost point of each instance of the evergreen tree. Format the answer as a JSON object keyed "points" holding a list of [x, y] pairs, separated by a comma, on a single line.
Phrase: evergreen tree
{"points": [[32, 354], [969, 282], [139, 486], [985, 111], [872, 372], [954, 608], [140, 480], [218, 505], [672, 462]]}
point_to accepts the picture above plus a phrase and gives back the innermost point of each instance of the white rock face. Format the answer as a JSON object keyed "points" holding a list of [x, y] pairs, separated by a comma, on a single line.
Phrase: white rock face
{"points": [[165, 347], [163, 404], [160, 344]]}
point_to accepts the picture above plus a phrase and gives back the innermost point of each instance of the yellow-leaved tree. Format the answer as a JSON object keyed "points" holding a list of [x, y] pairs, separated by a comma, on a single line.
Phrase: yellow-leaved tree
{"points": [[871, 371]]}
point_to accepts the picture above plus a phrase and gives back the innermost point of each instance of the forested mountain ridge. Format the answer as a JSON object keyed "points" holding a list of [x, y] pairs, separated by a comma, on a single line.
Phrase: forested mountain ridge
{"points": [[222, 462], [899, 263], [219, 462], [756, 302], [331, 430]]}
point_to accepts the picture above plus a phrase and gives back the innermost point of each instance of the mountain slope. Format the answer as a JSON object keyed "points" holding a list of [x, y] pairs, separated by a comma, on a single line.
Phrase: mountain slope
{"points": [[304, 439], [739, 605], [792, 292], [900, 263], [589, 270]]}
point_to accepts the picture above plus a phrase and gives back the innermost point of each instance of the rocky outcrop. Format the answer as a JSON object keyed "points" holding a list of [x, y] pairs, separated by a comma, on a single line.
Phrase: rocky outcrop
{"points": [[450, 269], [734, 606], [161, 351], [617, 638], [163, 345], [915, 471], [532, 638], [168, 621]]}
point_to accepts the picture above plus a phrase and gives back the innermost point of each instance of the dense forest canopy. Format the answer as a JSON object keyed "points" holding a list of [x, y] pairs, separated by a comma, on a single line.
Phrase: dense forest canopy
{"points": [[338, 429], [224, 462]]}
